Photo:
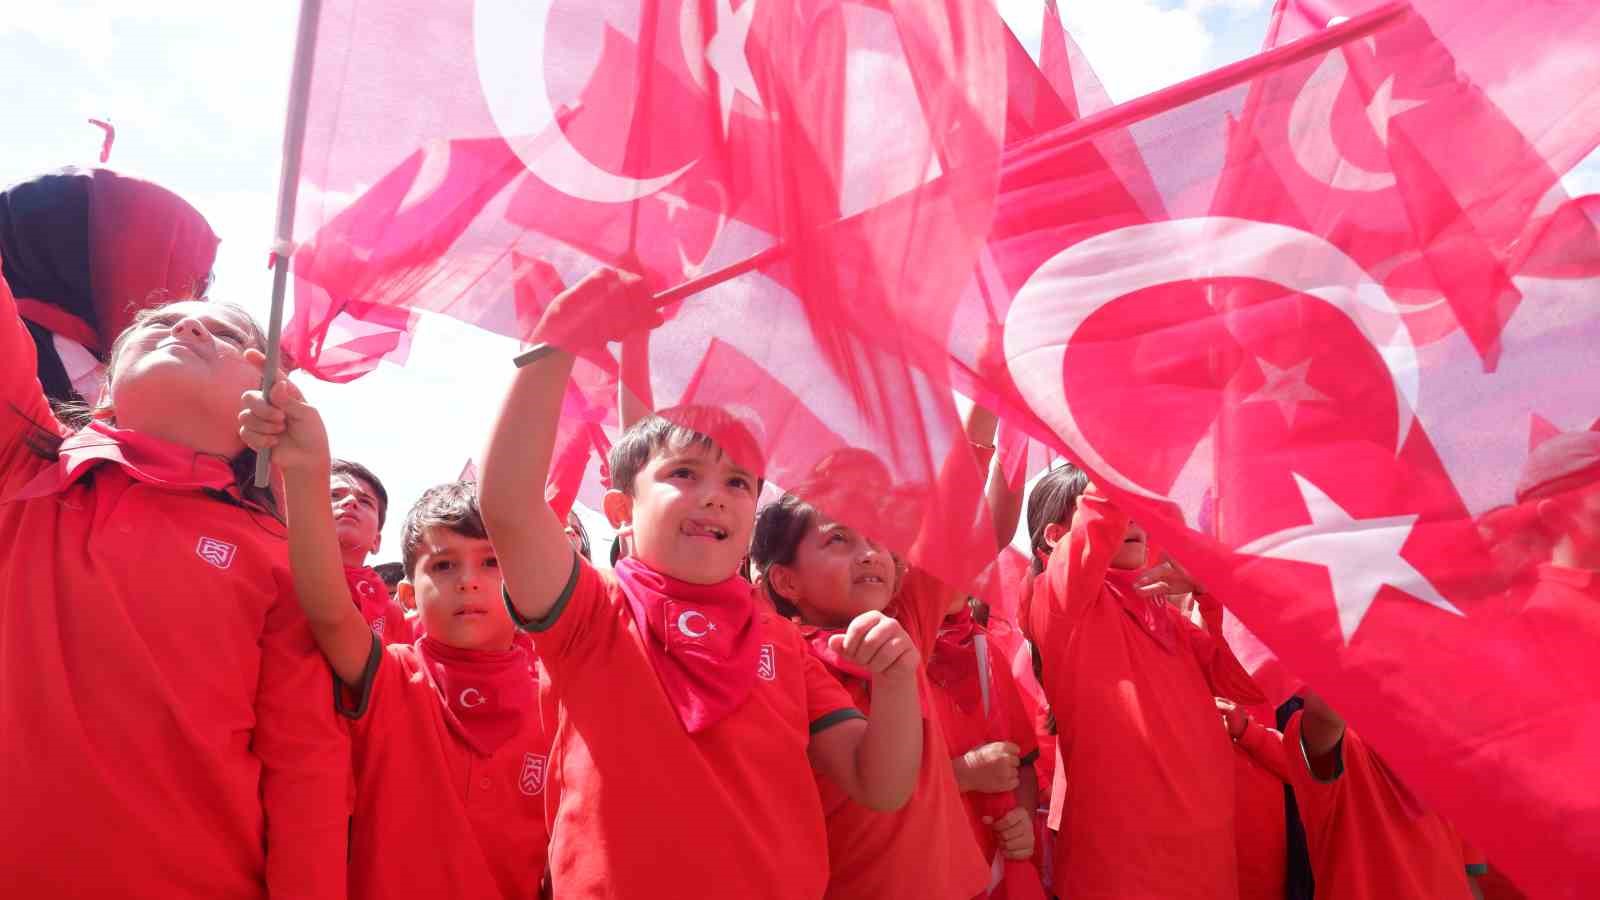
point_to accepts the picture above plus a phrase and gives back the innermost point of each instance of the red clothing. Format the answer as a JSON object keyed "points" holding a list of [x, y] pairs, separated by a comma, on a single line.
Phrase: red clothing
{"points": [[926, 848], [642, 808], [434, 818], [1365, 834], [1149, 811], [386, 616], [966, 725], [168, 732], [1263, 840]]}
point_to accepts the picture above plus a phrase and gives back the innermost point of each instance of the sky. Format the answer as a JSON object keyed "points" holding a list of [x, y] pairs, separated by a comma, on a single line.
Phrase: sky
{"points": [[197, 92]]}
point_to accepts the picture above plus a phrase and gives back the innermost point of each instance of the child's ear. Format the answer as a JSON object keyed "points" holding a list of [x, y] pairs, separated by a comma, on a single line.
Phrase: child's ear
{"points": [[618, 507], [407, 595], [1053, 533], [376, 543], [783, 581]]}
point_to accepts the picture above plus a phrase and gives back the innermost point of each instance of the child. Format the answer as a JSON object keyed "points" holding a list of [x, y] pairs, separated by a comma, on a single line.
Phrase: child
{"points": [[990, 739], [1148, 805], [827, 574], [447, 727], [360, 504], [688, 719], [167, 726], [1368, 836]]}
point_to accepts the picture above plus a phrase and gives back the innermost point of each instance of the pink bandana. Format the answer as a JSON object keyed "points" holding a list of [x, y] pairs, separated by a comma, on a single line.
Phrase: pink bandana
{"points": [[486, 693]]}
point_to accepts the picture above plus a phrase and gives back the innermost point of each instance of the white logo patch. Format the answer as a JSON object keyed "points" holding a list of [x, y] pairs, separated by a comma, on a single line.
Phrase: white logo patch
{"points": [[532, 779], [218, 553], [767, 666]]}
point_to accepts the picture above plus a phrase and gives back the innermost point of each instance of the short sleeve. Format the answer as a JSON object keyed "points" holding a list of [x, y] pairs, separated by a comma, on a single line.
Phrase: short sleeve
{"points": [[583, 618], [827, 702]]}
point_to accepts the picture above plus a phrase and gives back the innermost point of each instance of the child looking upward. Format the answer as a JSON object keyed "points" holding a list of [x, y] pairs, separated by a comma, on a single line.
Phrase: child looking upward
{"points": [[448, 725], [688, 717]]}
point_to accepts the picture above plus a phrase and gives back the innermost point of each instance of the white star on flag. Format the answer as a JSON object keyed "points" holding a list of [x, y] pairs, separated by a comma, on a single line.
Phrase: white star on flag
{"points": [[1286, 387], [1362, 556], [1384, 107], [725, 54]]}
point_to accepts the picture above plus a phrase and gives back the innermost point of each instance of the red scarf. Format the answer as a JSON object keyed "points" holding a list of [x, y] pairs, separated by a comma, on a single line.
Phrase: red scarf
{"points": [[487, 694], [701, 638], [370, 594], [954, 662], [1150, 612], [145, 458]]}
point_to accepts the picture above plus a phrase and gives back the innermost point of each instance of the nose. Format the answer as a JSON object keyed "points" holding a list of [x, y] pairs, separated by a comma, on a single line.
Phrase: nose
{"points": [[871, 550], [189, 327]]}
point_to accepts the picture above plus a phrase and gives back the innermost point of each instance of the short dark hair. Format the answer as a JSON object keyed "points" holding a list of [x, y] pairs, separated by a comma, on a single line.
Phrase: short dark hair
{"points": [[357, 471], [678, 428], [392, 573], [1054, 499], [452, 506], [576, 524]]}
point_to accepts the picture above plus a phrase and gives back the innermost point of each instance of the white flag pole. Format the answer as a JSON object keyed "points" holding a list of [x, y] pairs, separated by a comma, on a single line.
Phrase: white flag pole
{"points": [[294, 133]]}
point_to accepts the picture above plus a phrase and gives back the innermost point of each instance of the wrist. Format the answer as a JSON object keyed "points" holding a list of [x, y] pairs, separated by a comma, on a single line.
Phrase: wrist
{"points": [[307, 469]]}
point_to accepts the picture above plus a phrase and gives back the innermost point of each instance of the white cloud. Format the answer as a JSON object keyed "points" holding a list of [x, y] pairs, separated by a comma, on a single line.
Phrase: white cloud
{"points": [[1138, 46]]}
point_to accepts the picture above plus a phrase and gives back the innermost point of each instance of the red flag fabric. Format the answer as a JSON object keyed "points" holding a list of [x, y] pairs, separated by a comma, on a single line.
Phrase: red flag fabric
{"points": [[1251, 348]]}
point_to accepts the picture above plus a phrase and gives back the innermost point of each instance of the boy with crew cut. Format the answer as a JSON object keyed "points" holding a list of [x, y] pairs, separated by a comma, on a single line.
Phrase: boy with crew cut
{"points": [[448, 747], [688, 717], [360, 505]]}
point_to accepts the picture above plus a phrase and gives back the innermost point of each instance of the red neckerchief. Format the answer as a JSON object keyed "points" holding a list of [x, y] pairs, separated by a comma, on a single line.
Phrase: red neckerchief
{"points": [[953, 664], [370, 594], [1150, 612], [487, 694], [147, 459], [702, 640]]}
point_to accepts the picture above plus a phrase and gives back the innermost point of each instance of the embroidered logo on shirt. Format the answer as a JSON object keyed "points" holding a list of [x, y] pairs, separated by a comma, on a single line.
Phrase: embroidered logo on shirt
{"points": [[694, 624], [532, 779], [218, 553], [377, 625], [767, 666]]}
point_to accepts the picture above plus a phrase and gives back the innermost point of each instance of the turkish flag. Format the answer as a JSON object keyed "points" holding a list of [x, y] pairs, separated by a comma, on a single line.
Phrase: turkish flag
{"points": [[1249, 381]]}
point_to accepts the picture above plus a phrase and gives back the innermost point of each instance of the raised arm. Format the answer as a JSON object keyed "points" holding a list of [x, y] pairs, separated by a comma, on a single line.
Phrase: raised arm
{"points": [[293, 430], [635, 374], [1078, 565], [23, 408], [531, 541]]}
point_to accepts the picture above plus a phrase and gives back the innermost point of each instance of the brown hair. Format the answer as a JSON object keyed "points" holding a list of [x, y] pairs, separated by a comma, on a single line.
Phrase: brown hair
{"points": [[1053, 501], [46, 443], [357, 471], [780, 527], [678, 428], [452, 506]]}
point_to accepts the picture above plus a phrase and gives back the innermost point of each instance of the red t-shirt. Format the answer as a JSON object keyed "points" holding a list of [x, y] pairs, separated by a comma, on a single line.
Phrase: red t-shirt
{"points": [[926, 848], [967, 728], [641, 808], [1149, 807], [433, 817], [1366, 837], [167, 727]]}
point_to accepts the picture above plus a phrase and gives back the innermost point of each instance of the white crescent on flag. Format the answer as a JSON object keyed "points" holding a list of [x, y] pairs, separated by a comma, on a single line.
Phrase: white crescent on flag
{"points": [[1072, 285]]}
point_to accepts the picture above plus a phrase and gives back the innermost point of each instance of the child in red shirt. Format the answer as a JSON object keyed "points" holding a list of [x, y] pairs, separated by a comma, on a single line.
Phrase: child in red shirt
{"points": [[1148, 809], [1367, 834], [360, 504], [688, 718], [449, 725], [168, 733], [826, 575], [990, 738]]}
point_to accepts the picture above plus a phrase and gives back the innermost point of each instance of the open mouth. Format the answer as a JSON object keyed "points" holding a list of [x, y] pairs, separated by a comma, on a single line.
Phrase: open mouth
{"points": [[871, 579], [693, 528]]}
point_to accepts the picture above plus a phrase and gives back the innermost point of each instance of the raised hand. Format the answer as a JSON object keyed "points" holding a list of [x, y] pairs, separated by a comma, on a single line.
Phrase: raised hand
{"points": [[284, 423], [604, 306], [878, 644]]}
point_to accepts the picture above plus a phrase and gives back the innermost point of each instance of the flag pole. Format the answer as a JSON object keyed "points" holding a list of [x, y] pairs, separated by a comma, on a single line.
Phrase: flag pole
{"points": [[294, 133]]}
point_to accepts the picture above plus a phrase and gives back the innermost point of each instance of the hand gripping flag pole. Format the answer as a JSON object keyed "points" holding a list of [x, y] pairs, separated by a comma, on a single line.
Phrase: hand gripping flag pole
{"points": [[294, 132]]}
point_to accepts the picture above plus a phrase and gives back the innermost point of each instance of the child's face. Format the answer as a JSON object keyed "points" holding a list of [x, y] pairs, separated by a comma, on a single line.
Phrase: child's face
{"points": [[457, 592], [184, 361], [690, 514], [355, 513], [838, 574], [1135, 545]]}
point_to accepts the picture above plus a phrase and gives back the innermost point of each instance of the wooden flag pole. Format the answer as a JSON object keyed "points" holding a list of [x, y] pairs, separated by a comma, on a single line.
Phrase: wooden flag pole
{"points": [[294, 133]]}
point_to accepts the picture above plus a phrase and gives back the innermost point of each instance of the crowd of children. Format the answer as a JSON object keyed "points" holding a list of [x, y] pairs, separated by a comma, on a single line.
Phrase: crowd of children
{"points": [[208, 694]]}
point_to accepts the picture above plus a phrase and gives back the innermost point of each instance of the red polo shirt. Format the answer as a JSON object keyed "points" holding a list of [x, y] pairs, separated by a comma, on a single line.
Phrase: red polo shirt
{"points": [[638, 806], [926, 848], [167, 727], [1149, 811], [433, 817], [1366, 836]]}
